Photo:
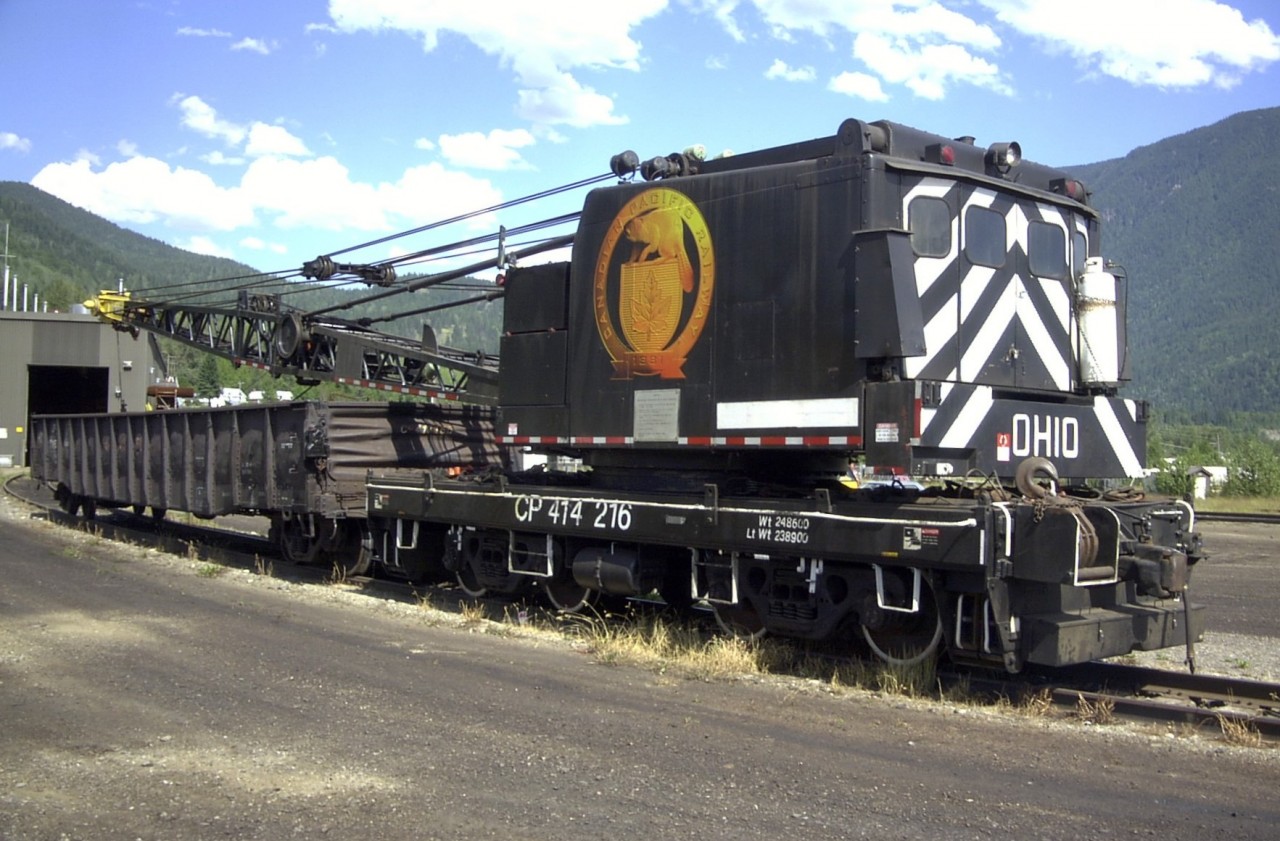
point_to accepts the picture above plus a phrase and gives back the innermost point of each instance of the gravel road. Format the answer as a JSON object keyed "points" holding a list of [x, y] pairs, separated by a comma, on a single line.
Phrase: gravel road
{"points": [[142, 696]]}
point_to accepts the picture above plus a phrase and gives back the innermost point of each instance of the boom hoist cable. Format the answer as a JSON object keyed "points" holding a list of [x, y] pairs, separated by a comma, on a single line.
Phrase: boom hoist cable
{"points": [[260, 331], [325, 272]]}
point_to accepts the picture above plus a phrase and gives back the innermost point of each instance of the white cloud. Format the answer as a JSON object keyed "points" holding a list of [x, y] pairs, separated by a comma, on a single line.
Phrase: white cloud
{"points": [[722, 11], [424, 143], [429, 192], [203, 33], [780, 70], [266, 139], [258, 244], [200, 117], [260, 139], [216, 158], [1163, 43], [203, 245], [127, 148], [317, 193], [282, 186], [928, 69], [255, 45], [924, 20], [860, 85], [540, 47], [560, 100], [549, 134], [495, 150], [146, 190], [9, 140], [917, 43]]}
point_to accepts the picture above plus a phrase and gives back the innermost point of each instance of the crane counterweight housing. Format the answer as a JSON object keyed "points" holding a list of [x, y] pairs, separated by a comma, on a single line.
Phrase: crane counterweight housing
{"points": [[852, 294], [728, 336]]}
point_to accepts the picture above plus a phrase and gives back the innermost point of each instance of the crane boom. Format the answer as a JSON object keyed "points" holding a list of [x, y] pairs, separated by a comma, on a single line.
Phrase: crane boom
{"points": [[263, 333]]}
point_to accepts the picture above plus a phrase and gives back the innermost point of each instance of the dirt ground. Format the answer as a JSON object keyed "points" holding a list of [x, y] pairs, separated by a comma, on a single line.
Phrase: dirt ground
{"points": [[148, 696]]}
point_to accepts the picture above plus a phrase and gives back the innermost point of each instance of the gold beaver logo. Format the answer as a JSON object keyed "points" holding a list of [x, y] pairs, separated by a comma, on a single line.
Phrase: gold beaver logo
{"points": [[652, 298]]}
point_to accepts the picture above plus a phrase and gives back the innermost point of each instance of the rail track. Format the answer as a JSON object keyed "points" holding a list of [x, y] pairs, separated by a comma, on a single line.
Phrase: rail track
{"points": [[1124, 691], [1228, 517], [1158, 695]]}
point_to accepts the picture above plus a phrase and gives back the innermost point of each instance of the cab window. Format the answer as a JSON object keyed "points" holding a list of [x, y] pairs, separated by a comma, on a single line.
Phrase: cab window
{"points": [[984, 237], [930, 223], [1047, 250], [1079, 254]]}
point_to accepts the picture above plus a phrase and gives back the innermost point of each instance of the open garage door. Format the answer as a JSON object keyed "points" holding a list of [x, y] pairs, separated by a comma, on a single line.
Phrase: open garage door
{"points": [[66, 390]]}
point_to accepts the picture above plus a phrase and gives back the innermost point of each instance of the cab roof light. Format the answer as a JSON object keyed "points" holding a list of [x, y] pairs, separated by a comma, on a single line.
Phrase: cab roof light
{"points": [[624, 164], [940, 153], [1070, 188], [675, 165], [1004, 156]]}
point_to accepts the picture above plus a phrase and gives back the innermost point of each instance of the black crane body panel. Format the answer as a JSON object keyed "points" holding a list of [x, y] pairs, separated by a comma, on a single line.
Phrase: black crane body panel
{"points": [[782, 300]]}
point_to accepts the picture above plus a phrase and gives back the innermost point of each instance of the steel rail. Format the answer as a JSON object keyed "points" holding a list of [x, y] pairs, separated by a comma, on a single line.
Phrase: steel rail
{"points": [[1237, 517]]}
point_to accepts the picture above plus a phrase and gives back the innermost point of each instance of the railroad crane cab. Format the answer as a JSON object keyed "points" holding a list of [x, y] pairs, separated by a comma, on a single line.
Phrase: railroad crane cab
{"points": [[731, 332], [935, 306], [727, 336]]}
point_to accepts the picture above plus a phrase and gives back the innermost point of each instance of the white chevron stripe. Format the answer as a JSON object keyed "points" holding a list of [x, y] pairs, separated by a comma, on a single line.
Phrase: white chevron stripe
{"points": [[1050, 354], [938, 333], [1104, 410], [983, 345], [941, 329], [975, 410]]}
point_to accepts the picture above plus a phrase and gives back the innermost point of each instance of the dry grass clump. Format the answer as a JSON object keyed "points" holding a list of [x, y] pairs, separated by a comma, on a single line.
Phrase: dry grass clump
{"points": [[473, 613], [912, 680], [1101, 712], [654, 642], [1037, 704], [1239, 733], [679, 647]]}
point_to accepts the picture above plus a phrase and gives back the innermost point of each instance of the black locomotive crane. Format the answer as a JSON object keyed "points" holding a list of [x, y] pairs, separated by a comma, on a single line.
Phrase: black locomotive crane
{"points": [[730, 333]]}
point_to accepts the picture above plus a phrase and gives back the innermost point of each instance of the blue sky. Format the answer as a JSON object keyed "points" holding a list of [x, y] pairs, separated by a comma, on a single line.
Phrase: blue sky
{"points": [[273, 132]]}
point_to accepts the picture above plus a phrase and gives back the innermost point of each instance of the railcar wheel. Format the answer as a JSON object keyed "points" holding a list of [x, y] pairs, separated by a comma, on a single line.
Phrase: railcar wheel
{"points": [[739, 620], [342, 544], [903, 639], [568, 596], [295, 544], [470, 583], [355, 558]]}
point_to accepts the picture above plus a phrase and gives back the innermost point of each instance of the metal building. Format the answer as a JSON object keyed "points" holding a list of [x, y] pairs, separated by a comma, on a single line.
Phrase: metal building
{"points": [[56, 363]]}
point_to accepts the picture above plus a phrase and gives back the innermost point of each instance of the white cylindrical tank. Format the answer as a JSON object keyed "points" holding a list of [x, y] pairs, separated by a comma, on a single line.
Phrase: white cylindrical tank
{"points": [[1099, 329]]}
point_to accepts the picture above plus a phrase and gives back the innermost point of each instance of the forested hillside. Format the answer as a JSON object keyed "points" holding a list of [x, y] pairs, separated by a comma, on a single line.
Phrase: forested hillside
{"points": [[1195, 220], [65, 255]]}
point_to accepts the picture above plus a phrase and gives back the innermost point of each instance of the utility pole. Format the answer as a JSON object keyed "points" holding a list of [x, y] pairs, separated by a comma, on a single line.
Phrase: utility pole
{"points": [[6, 268]]}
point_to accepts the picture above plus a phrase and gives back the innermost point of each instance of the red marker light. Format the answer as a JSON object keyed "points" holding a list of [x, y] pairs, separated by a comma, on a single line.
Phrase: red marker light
{"points": [[940, 153]]}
